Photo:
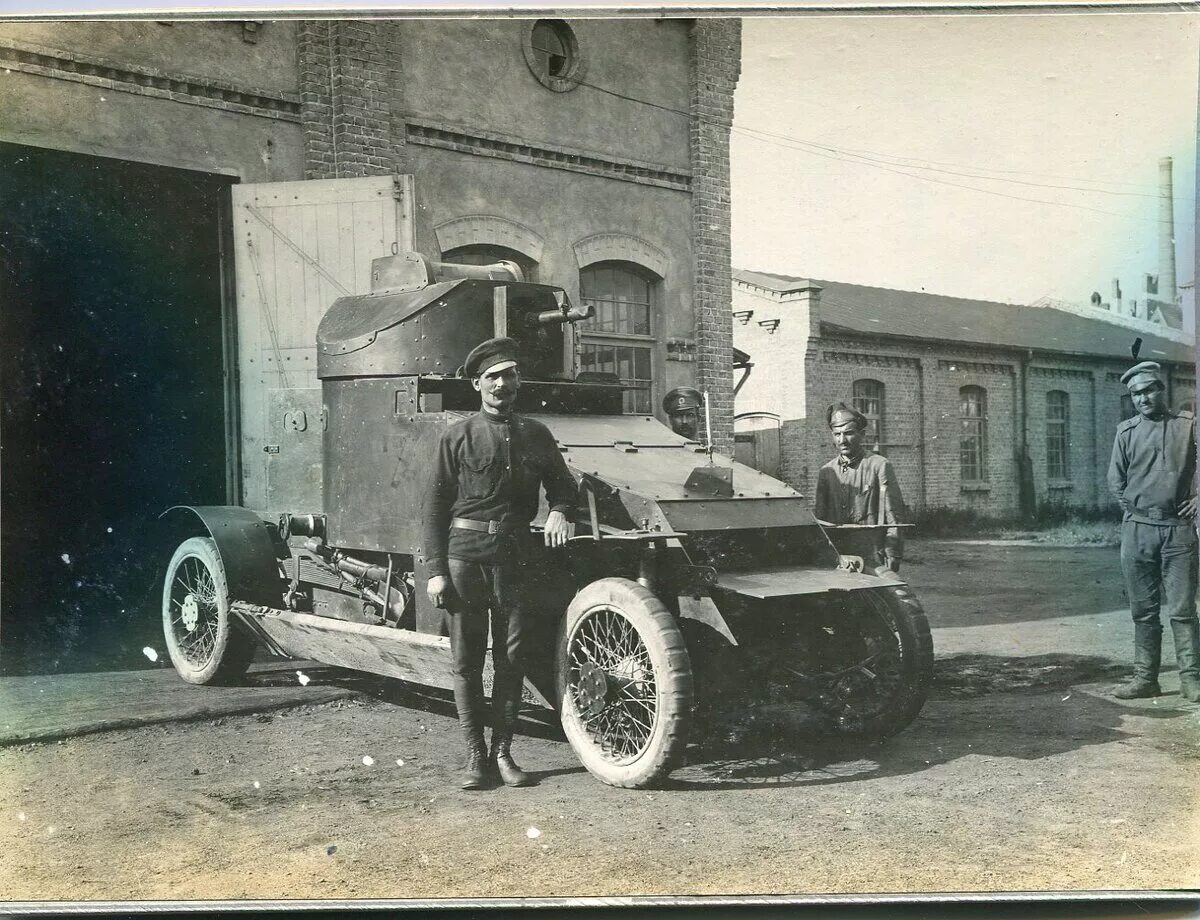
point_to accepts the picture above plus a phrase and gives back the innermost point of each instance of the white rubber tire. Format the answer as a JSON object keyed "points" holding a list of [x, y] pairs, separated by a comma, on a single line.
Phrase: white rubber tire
{"points": [[672, 670], [231, 650]]}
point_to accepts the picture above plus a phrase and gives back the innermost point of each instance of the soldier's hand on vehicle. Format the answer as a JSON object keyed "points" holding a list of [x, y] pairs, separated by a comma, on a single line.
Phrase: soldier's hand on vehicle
{"points": [[437, 589], [558, 529], [1187, 508]]}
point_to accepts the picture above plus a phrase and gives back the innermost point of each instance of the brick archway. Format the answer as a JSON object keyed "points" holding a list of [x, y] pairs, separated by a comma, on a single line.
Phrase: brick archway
{"points": [[490, 230], [621, 247]]}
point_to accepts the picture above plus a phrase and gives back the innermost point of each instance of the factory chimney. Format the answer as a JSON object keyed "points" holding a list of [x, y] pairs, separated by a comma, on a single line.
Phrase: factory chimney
{"points": [[1166, 232], [1117, 294]]}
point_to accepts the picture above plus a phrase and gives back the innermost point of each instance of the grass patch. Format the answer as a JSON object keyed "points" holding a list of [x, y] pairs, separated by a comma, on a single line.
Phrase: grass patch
{"points": [[1054, 525]]}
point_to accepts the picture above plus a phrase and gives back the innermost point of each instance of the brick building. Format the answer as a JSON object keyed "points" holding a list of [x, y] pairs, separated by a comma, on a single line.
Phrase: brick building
{"points": [[984, 406], [184, 199]]}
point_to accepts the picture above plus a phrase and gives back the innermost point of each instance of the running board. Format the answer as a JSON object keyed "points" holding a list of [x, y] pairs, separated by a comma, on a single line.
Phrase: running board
{"points": [[385, 650]]}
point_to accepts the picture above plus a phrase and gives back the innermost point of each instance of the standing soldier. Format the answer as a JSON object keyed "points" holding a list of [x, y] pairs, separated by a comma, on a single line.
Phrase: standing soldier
{"points": [[482, 496], [859, 488], [1152, 474]]}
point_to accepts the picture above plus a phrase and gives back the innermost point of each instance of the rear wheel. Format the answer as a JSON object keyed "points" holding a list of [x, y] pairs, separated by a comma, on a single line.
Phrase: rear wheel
{"points": [[203, 642], [624, 683]]}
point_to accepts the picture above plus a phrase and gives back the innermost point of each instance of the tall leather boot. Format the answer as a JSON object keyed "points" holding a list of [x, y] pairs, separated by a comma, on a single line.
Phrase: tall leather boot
{"points": [[469, 700], [1187, 653], [1147, 649], [506, 707]]}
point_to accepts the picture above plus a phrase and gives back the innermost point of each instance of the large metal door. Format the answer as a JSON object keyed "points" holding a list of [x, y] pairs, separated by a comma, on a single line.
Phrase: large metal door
{"points": [[298, 246]]}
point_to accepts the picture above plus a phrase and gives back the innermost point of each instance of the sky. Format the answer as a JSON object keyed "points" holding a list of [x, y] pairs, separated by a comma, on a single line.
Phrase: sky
{"points": [[839, 119]]}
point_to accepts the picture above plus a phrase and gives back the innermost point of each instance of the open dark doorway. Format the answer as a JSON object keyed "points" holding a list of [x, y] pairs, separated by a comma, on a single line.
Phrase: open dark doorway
{"points": [[111, 370]]}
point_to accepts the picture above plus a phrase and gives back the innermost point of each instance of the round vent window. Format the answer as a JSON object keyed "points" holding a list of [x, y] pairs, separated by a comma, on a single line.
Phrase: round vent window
{"points": [[552, 53]]}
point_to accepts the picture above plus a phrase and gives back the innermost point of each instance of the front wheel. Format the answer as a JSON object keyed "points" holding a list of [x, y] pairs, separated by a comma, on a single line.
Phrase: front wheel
{"points": [[624, 683], [873, 658], [203, 642]]}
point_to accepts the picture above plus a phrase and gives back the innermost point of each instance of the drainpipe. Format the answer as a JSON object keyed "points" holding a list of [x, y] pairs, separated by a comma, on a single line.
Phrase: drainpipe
{"points": [[922, 447], [1026, 495]]}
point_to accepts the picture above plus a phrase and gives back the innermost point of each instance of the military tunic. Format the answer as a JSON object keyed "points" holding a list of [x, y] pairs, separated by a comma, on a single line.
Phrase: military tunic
{"points": [[489, 468], [1152, 471], [863, 491]]}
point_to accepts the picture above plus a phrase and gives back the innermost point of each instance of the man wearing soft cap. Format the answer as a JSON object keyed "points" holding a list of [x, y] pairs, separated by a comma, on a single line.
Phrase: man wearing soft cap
{"points": [[1152, 475], [860, 488], [482, 496]]}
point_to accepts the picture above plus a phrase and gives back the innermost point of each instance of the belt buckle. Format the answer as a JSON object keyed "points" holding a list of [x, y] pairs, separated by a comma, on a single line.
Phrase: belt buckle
{"points": [[493, 527]]}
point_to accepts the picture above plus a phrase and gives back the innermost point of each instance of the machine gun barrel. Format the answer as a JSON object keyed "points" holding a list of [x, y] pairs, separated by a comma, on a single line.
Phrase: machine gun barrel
{"points": [[565, 315]]}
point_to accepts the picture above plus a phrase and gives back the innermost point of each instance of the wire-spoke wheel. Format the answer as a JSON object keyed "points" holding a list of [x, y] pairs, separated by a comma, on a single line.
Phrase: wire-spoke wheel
{"points": [[624, 683], [204, 645]]}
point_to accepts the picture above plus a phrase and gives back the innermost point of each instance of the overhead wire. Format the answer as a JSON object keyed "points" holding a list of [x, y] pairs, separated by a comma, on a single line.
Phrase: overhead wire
{"points": [[848, 155]]}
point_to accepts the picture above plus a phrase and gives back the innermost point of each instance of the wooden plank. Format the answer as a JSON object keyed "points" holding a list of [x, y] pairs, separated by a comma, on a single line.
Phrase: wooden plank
{"points": [[381, 650], [289, 269], [315, 303], [370, 225], [384, 650]]}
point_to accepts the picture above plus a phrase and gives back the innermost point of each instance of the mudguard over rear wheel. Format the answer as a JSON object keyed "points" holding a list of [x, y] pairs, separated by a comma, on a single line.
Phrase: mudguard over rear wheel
{"points": [[624, 683], [204, 643]]}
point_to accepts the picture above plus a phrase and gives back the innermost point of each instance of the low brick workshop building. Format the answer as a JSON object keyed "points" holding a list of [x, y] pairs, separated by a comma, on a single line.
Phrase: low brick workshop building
{"points": [[992, 407]]}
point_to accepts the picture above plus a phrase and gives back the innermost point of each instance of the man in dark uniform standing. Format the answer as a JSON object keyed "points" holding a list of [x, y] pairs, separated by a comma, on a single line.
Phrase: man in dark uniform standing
{"points": [[859, 488], [1153, 476], [483, 494]]}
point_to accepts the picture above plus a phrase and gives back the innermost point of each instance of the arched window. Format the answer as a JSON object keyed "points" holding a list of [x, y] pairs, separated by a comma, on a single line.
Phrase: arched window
{"points": [[1058, 434], [867, 397], [973, 461], [486, 254], [1127, 410], [619, 338]]}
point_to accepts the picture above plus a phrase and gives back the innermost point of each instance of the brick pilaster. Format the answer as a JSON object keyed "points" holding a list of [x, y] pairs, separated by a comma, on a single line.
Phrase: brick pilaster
{"points": [[715, 65], [350, 98]]}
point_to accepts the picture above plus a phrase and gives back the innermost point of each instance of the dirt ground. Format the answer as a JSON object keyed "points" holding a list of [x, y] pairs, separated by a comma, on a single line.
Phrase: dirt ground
{"points": [[1020, 774]]}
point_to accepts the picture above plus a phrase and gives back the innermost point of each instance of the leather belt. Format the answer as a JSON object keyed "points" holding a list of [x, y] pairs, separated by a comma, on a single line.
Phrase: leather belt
{"points": [[1155, 514], [492, 527]]}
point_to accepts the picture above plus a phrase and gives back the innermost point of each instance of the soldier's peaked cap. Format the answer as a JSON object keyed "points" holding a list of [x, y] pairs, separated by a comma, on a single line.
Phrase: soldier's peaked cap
{"points": [[682, 398], [1141, 374], [489, 356], [841, 414]]}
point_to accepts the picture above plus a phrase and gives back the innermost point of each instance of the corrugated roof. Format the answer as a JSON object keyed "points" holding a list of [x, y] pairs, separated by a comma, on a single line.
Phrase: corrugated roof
{"points": [[915, 314]]}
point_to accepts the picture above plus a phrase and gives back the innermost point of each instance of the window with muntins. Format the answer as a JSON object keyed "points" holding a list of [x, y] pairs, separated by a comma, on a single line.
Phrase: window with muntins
{"points": [[619, 338], [867, 397], [1058, 434], [973, 434], [1127, 410]]}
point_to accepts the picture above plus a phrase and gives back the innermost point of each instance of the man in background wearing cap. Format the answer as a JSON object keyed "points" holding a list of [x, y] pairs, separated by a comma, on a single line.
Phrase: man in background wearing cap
{"points": [[482, 496], [1152, 475], [682, 406], [860, 488]]}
